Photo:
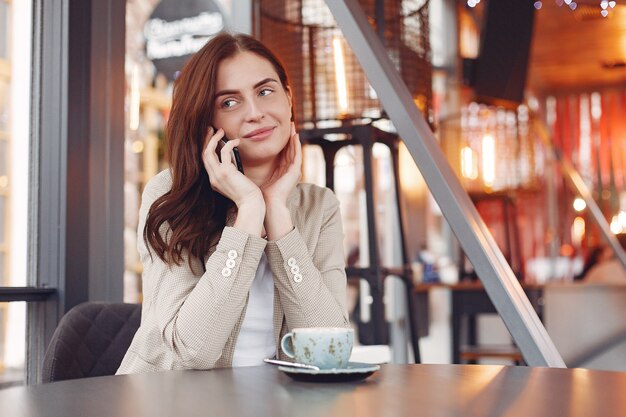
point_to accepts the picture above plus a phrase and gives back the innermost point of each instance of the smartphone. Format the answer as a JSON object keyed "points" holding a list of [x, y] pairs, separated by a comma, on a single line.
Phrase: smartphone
{"points": [[234, 154]]}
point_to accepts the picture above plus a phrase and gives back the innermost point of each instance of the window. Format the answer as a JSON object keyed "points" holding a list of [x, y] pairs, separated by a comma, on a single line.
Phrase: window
{"points": [[14, 181]]}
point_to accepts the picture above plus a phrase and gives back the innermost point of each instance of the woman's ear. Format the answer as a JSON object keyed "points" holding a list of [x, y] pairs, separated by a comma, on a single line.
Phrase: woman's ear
{"points": [[290, 99], [289, 96]]}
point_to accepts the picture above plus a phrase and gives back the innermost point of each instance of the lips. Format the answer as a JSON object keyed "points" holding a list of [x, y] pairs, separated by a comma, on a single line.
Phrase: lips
{"points": [[261, 133]]}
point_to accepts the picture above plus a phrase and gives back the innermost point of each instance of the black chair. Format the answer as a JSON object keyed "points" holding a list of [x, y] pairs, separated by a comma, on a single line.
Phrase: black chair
{"points": [[90, 340]]}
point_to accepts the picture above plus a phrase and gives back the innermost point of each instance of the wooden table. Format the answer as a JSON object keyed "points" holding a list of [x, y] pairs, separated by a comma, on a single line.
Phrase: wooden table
{"points": [[396, 390]]}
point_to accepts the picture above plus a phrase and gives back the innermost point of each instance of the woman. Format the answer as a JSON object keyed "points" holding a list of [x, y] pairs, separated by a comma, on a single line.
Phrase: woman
{"points": [[231, 262]]}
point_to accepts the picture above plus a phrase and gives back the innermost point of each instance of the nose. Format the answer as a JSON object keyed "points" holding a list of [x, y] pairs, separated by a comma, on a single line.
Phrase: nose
{"points": [[255, 111]]}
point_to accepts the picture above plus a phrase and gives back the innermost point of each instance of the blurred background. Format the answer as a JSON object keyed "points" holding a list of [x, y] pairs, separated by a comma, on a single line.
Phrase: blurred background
{"points": [[511, 89]]}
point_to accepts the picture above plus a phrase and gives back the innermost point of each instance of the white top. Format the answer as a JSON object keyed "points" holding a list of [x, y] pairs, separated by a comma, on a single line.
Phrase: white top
{"points": [[256, 336]]}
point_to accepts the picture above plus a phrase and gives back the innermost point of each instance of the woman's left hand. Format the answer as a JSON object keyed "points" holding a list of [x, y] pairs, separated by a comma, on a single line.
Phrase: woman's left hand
{"points": [[287, 173], [281, 183]]}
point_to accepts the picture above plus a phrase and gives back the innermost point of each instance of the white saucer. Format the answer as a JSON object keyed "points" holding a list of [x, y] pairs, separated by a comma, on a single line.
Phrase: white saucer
{"points": [[353, 372]]}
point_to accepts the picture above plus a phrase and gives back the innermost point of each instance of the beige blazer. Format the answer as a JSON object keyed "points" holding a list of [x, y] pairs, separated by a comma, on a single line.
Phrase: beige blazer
{"points": [[191, 321]]}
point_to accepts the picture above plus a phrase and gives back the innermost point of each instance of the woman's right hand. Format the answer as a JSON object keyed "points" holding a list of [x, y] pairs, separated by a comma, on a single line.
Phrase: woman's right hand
{"points": [[228, 181]]}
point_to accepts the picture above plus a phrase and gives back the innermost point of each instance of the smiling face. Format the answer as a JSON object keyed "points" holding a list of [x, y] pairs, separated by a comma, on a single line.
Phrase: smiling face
{"points": [[252, 104]]}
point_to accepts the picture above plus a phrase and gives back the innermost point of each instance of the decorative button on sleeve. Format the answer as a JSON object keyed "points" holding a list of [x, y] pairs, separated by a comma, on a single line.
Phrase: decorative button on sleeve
{"points": [[295, 269], [230, 263]]}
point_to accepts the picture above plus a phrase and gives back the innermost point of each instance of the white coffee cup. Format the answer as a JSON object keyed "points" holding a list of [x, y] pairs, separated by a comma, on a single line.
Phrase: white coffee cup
{"points": [[324, 347]]}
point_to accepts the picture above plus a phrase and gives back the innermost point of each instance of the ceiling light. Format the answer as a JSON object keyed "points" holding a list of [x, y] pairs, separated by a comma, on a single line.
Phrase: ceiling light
{"points": [[606, 6]]}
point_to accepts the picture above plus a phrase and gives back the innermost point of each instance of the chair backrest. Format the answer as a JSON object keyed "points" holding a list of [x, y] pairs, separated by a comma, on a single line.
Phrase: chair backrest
{"points": [[90, 340]]}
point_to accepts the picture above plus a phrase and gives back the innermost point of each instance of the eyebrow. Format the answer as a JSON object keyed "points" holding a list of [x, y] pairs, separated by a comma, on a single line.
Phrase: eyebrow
{"points": [[260, 83]]}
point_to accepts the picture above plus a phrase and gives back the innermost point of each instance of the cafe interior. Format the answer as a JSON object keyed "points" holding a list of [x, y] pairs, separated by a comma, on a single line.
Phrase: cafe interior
{"points": [[473, 216]]}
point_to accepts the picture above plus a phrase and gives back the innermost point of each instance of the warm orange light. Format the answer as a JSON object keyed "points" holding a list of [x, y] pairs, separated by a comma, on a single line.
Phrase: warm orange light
{"points": [[469, 36], [616, 225], [489, 160], [578, 230], [137, 146], [411, 178], [421, 102], [469, 163], [340, 75], [621, 218]]}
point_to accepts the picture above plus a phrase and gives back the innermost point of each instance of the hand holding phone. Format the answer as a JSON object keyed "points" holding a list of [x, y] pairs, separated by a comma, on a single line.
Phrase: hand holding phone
{"points": [[234, 154], [241, 190]]}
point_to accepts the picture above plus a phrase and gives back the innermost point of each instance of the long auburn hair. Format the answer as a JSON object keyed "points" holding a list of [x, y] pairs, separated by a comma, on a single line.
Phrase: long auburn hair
{"points": [[195, 214]]}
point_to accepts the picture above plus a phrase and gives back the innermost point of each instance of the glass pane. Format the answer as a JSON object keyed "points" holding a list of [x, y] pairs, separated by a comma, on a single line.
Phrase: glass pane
{"points": [[15, 66], [4, 100], [15, 70], [3, 274], [3, 217], [4, 147], [4, 24], [12, 344]]}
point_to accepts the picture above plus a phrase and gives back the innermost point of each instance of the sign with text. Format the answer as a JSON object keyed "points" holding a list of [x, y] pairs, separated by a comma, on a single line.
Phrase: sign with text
{"points": [[179, 28]]}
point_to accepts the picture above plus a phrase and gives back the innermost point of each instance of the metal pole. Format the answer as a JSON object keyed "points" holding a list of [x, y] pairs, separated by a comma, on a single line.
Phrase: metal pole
{"points": [[579, 186], [499, 280]]}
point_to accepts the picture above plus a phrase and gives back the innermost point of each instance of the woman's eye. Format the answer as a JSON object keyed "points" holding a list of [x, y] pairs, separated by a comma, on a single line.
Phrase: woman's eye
{"points": [[228, 103], [266, 92]]}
